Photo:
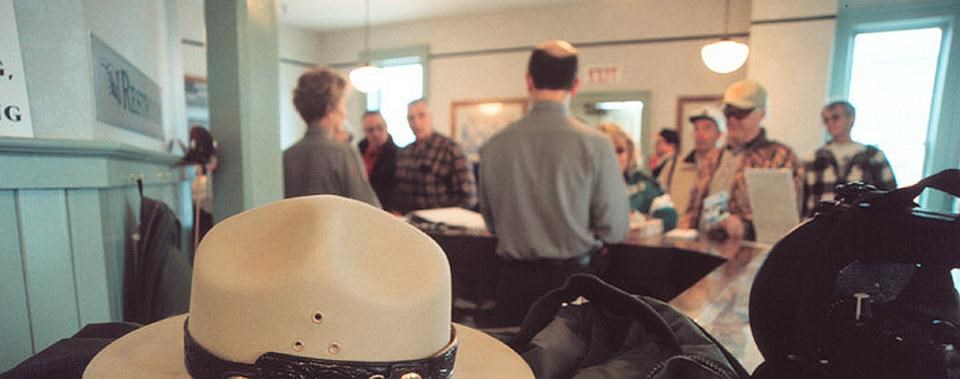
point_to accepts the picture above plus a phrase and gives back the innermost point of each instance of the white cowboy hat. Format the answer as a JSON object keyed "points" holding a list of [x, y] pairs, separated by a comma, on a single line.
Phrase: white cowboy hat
{"points": [[319, 286]]}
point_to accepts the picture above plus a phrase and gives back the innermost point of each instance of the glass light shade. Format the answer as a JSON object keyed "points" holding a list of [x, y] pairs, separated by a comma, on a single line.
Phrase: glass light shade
{"points": [[724, 56], [365, 79]]}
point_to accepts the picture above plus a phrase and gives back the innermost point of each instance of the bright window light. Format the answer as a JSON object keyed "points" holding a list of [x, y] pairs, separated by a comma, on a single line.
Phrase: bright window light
{"points": [[401, 84], [891, 86]]}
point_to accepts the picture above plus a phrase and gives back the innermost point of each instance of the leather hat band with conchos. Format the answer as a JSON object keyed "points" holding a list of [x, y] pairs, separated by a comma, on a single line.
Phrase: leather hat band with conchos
{"points": [[202, 364]]}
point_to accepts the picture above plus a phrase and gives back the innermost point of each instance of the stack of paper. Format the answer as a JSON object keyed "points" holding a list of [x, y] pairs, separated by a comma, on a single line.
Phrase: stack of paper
{"points": [[453, 217]]}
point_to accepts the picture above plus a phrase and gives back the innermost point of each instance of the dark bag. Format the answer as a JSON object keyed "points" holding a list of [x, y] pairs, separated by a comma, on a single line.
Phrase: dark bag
{"points": [[617, 335], [863, 290]]}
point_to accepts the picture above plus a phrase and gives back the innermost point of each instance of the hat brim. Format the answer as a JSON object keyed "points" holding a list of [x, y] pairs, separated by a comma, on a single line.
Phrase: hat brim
{"points": [[156, 351]]}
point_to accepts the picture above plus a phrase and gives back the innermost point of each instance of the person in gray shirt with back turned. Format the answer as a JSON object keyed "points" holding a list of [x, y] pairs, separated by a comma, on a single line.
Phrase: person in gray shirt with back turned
{"points": [[319, 163], [550, 188]]}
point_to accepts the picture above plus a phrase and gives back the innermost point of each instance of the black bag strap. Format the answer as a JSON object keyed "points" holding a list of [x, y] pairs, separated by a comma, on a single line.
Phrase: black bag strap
{"points": [[603, 295], [947, 181]]}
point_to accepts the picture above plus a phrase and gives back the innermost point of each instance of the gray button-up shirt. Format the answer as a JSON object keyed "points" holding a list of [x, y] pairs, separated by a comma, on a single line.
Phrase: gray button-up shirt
{"points": [[318, 165], [551, 187]]}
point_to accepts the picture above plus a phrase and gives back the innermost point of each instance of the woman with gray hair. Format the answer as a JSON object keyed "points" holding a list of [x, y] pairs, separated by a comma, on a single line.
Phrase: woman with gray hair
{"points": [[321, 163]]}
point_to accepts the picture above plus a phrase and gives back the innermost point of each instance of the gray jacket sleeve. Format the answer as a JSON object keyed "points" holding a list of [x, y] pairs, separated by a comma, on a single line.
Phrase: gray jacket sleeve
{"points": [[609, 204], [356, 182]]}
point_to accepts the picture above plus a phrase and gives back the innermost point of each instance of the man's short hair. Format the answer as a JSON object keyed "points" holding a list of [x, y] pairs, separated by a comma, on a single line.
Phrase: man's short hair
{"points": [[845, 105], [550, 72], [318, 90], [670, 136], [417, 101], [372, 113]]}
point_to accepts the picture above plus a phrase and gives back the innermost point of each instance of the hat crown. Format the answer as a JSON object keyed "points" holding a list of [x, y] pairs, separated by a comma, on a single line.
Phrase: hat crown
{"points": [[302, 277], [713, 114], [745, 94]]}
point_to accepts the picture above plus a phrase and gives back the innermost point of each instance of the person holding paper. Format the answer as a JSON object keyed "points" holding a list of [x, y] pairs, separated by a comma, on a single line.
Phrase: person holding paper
{"points": [[719, 203], [843, 160]]}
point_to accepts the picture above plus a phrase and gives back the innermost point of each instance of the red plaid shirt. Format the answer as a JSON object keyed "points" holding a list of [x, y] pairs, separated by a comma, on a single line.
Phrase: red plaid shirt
{"points": [[434, 174]]}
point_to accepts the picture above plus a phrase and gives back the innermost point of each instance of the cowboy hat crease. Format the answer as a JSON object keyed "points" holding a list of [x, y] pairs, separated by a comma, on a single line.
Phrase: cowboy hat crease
{"points": [[320, 277]]}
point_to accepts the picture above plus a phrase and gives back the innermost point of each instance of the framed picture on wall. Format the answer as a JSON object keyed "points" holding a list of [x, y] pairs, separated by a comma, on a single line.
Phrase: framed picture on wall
{"points": [[198, 111], [475, 121], [688, 106]]}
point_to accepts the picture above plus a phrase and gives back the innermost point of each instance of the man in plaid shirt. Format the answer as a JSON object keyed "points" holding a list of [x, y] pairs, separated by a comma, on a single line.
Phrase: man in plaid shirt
{"points": [[723, 175], [432, 172]]}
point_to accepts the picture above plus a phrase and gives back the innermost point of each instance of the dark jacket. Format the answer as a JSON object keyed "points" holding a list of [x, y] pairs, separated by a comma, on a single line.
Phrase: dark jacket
{"points": [[156, 274], [382, 176]]}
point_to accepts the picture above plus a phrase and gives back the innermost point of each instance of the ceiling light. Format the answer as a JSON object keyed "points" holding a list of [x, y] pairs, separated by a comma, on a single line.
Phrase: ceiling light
{"points": [[725, 56], [365, 78]]}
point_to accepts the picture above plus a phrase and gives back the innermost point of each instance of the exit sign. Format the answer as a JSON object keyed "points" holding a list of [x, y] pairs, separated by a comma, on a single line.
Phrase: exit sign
{"points": [[603, 74]]}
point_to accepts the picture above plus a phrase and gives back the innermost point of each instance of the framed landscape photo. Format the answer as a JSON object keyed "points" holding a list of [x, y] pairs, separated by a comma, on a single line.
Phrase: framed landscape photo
{"points": [[475, 121], [198, 111], [688, 106]]}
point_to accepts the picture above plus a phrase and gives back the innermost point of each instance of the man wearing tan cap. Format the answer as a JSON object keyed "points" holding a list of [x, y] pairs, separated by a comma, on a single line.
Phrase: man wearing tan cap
{"points": [[550, 187], [721, 184]]}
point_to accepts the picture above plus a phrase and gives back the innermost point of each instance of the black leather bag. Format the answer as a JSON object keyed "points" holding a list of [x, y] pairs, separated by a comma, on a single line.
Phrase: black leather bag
{"points": [[617, 335], [863, 290]]}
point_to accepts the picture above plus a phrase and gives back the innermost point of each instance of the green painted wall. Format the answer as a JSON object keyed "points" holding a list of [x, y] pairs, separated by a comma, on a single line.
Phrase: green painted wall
{"points": [[67, 213]]}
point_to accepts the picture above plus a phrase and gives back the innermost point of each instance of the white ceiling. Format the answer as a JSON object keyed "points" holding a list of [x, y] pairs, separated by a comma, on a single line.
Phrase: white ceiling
{"points": [[323, 15]]}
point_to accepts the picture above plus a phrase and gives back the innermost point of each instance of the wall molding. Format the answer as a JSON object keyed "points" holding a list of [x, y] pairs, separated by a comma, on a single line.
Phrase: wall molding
{"points": [[795, 19], [579, 45], [54, 163]]}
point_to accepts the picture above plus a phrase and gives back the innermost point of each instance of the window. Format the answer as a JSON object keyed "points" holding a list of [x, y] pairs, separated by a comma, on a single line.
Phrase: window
{"points": [[402, 82], [891, 84], [897, 63]]}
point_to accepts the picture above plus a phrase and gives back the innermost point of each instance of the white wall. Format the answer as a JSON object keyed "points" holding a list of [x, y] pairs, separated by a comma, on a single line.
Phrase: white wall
{"points": [[54, 39], [667, 70], [792, 61]]}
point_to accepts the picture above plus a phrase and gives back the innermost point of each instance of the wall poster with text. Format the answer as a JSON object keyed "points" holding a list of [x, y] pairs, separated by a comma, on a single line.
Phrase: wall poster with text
{"points": [[14, 106]]}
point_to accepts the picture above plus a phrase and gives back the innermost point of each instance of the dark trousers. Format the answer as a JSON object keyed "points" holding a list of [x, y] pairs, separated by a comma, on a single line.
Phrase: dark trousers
{"points": [[521, 283]]}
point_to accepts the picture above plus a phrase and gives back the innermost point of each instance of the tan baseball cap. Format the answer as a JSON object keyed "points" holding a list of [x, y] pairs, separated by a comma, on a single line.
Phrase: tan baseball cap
{"points": [[745, 94]]}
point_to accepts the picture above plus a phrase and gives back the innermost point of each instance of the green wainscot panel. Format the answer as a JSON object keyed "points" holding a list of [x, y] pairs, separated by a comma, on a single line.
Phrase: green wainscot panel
{"points": [[89, 263], [14, 315], [49, 266]]}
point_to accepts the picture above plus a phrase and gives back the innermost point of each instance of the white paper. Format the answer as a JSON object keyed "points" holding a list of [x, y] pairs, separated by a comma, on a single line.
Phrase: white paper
{"points": [[457, 217], [14, 108], [773, 199]]}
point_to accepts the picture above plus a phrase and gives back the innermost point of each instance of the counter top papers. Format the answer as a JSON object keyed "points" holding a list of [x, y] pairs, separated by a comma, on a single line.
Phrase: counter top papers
{"points": [[456, 218]]}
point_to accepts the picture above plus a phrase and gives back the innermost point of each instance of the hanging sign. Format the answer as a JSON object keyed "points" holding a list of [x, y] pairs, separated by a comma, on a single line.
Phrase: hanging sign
{"points": [[14, 108], [603, 74], [125, 97]]}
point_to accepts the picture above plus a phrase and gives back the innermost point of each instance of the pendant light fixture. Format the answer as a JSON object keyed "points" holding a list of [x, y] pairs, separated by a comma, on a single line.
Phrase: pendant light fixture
{"points": [[725, 56], [365, 78]]}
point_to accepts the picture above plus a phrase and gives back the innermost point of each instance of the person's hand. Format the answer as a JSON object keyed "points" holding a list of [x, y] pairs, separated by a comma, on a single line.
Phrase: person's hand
{"points": [[734, 227]]}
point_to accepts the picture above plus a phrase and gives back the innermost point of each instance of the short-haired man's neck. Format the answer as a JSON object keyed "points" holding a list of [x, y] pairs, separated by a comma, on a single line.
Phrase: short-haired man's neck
{"points": [[562, 96], [841, 139]]}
